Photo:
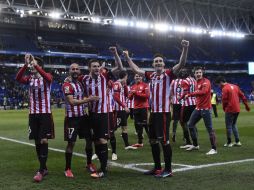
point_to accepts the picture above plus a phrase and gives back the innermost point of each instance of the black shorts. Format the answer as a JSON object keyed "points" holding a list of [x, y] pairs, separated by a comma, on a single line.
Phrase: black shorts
{"points": [[140, 116], [41, 126], [186, 113], [131, 114], [100, 125], [77, 126], [159, 126], [121, 118], [176, 112]]}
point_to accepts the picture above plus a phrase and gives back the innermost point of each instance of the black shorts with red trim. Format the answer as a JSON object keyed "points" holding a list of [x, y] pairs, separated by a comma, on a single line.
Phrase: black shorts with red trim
{"points": [[77, 126], [159, 124], [176, 112], [186, 113], [41, 126], [100, 125]]}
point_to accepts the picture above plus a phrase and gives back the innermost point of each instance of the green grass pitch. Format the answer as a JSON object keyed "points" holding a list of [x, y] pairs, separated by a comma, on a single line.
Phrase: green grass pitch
{"points": [[18, 161]]}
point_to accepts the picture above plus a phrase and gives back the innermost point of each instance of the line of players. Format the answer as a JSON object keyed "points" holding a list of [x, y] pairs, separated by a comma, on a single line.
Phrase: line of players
{"points": [[96, 106]]}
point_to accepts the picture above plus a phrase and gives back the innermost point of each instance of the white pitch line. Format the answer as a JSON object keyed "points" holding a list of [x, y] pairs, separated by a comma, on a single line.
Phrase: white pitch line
{"points": [[132, 166], [149, 164]]}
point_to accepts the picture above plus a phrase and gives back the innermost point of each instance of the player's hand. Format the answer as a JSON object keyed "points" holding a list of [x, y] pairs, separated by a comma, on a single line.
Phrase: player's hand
{"points": [[127, 110], [27, 59], [186, 96], [33, 61], [113, 49], [94, 98], [185, 43], [247, 108], [67, 79], [126, 54]]}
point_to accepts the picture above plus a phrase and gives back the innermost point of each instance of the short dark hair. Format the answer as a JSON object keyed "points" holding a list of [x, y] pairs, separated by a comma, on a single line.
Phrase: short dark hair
{"points": [[158, 55], [92, 61], [183, 73], [198, 68], [122, 74], [40, 61], [220, 79]]}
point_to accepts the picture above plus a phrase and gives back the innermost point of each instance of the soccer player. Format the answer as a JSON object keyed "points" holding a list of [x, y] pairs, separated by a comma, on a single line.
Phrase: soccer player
{"points": [[231, 94], [160, 116], [176, 93], [95, 84], [214, 102], [140, 93], [76, 121], [188, 85], [130, 104], [202, 110], [120, 95], [41, 126]]}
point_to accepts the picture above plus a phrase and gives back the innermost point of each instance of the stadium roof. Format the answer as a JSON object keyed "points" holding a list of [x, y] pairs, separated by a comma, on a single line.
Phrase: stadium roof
{"points": [[236, 15]]}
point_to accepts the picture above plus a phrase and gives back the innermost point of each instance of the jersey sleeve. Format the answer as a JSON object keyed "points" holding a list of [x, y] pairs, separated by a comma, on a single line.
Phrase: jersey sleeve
{"points": [[148, 75], [116, 94], [22, 79], [170, 73], [67, 89]]}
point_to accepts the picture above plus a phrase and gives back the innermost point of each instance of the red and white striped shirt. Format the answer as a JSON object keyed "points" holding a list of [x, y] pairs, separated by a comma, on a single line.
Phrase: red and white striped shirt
{"points": [[189, 85], [76, 90], [130, 102], [176, 91], [120, 96], [160, 90], [111, 104], [96, 87], [39, 90]]}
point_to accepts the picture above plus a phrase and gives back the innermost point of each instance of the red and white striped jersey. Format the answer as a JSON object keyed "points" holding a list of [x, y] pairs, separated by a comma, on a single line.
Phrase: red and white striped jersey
{"points": [[176, 91], [160, 90], [39, 90], [120, 95], [111, 104], [188, 86], [130, 103], [96, 87], [76, 90]]}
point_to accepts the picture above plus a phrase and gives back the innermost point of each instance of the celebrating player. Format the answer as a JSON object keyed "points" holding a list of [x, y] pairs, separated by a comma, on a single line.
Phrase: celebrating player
{"points": [[41, 126], [160, 114], [76, 121]]}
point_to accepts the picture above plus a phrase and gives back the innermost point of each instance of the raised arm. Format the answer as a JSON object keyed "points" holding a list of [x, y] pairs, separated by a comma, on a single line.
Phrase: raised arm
{"points": [[118, 62], [19, 76], [183, 58], [48, 77], [132, 65]]}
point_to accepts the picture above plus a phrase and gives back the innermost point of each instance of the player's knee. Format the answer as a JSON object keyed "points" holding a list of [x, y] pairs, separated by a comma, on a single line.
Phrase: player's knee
{"points": [[153, 141], [101, 141], [44, 141], [124, 129]]}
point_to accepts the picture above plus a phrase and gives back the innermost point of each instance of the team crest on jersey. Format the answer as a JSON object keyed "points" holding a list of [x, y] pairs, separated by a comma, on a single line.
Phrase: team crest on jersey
{"points": [[67, 89], [115, 87]]}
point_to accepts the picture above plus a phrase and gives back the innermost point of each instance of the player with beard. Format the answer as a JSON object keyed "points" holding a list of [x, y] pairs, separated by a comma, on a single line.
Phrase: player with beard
{"points": [[76, 121]]}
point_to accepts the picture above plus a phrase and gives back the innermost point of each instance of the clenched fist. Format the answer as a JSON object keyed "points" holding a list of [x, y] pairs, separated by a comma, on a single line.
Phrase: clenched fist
{"points": [[185, 43]]}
